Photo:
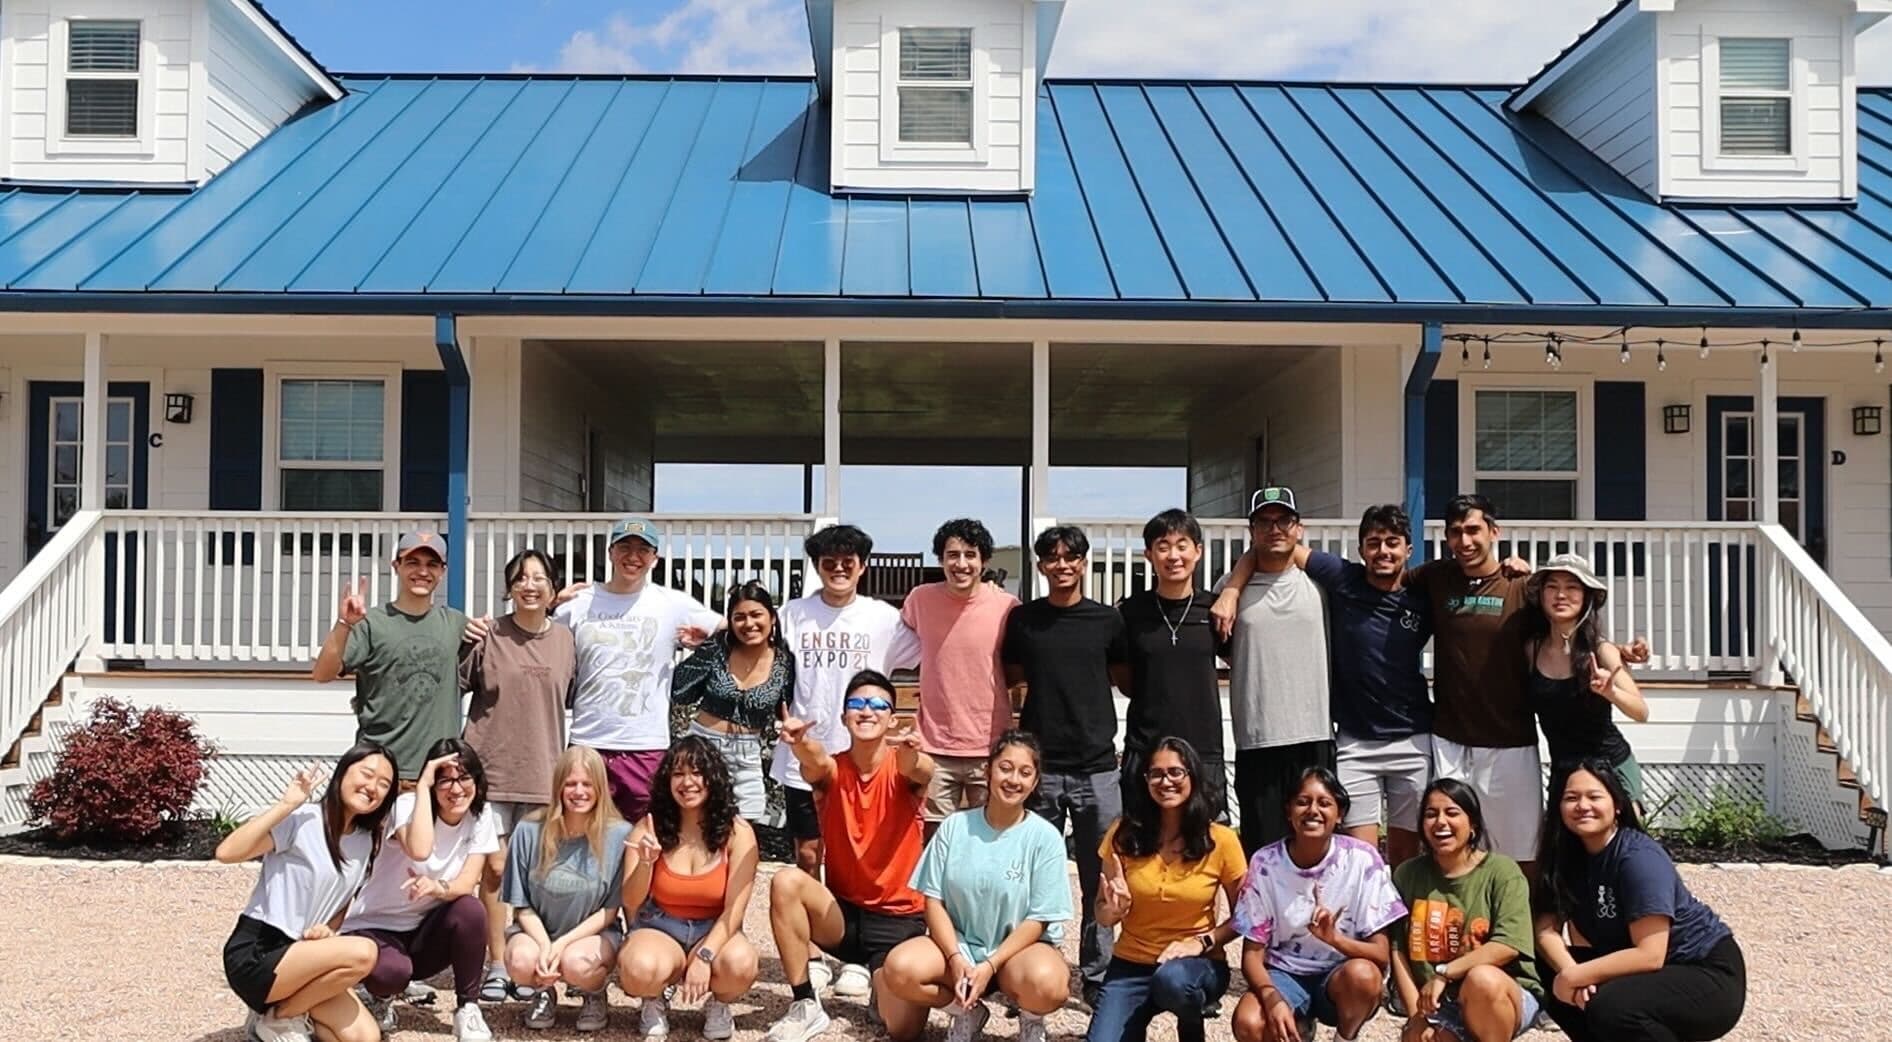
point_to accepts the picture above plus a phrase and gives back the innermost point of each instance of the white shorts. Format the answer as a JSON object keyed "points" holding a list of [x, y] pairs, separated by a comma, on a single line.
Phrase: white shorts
{"points": [[1510, 785], [1384, 776]]}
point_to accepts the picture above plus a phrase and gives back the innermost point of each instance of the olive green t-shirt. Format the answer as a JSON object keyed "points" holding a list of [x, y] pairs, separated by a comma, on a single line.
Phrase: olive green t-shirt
{"points": [[407, 681], [1491, 903]]}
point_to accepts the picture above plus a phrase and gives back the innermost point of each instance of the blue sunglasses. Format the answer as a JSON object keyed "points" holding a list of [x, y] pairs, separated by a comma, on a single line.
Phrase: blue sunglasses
{"points": [[878, 705]]}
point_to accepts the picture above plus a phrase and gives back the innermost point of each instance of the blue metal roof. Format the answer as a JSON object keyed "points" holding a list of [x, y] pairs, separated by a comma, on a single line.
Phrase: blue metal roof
{"points": [[1178, 199]]}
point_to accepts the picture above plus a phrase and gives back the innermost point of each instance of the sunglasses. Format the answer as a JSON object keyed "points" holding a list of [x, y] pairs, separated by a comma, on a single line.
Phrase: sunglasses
{"points": [[878, 705]]}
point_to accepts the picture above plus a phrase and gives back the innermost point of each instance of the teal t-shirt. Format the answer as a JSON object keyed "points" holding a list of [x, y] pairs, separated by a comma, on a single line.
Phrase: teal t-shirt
{"points": [[991, 880], [407, 681]]}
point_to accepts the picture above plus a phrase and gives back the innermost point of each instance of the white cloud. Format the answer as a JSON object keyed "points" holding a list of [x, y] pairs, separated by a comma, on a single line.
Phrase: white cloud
{"points": [[696, 36]]}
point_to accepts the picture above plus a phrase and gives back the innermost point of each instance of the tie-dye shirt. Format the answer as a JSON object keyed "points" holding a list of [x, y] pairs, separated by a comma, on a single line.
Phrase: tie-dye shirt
{"points": [[1277, 902]]}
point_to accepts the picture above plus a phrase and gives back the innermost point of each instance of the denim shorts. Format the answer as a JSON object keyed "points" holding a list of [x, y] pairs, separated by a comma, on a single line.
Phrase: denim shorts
{"points": [[688, 933], [1306, 993], [743, 754], [1451, 1016]]}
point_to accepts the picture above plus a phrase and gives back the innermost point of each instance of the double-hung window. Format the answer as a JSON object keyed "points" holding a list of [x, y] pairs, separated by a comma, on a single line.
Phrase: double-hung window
{"points": [[1525, 452], [935, 86], [330, 444], [1756, 97], [102, 78]]}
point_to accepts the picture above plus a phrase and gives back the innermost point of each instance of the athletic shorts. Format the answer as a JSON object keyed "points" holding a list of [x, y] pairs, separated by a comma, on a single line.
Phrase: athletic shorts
{"points": [[1510, 782], [867, 936], [958, 784], [1384, 777], [250, 957], [803, 819], [629, 774]]}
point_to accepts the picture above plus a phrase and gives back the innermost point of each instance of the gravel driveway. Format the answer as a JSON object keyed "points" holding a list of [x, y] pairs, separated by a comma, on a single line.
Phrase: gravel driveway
{"points": [[132, 952]]}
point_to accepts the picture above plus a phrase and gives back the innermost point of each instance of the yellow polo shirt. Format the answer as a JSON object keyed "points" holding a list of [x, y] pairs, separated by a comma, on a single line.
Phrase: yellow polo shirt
{"points": [[1171, 899]]}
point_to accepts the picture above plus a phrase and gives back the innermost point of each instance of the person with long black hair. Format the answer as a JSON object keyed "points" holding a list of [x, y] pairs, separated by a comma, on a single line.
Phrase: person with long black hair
{"points": [[689, 870], [1645, 960], [1163, 863], [739, 680], [285, 959], [1576, 678], [1464, 961]]}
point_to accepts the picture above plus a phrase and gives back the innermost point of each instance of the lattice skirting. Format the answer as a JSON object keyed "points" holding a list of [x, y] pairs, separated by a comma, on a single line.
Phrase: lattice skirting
{"points": [[1671, 790], [1810, 799]]}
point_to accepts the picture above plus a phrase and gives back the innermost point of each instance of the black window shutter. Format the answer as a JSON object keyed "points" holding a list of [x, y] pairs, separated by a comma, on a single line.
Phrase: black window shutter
{"points": [[1621, 458], [236, 439], [424, 440], [1441, 447]]}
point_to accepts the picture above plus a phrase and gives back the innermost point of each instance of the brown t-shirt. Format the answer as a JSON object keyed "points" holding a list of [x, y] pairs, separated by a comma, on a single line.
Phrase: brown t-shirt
{"points": [[516, 721], [1477, 657]]}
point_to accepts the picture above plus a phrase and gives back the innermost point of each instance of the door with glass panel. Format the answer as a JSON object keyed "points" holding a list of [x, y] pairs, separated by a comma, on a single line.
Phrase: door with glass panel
{"points": [[55, 473], [1734, 488]]}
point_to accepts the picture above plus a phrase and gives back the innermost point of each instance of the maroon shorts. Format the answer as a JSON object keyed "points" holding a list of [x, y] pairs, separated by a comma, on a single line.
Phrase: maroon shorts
{"points": [[629, 774]]}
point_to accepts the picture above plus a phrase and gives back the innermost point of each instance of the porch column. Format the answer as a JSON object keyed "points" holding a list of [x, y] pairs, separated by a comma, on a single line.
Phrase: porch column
{"points": [[1431, 343], [92, 427], [1767, 503], [453, 361], [831, 427], [1039, 489]]}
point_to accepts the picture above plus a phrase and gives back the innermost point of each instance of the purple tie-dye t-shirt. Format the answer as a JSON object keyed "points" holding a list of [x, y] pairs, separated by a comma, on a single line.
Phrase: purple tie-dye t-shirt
{"points": [[1277, 901]]}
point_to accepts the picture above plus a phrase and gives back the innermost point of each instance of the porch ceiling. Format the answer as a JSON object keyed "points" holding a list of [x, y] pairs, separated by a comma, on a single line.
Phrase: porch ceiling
{"points": [[921, 403]]}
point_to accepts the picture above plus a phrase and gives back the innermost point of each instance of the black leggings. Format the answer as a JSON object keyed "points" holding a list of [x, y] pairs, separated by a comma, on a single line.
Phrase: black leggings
{"points": [[1681, 1002]]}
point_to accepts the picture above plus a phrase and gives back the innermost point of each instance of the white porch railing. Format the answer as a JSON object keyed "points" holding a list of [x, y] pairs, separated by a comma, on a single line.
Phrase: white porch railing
{"points": [[1839, 660], [1689, 587], [46, 614]]}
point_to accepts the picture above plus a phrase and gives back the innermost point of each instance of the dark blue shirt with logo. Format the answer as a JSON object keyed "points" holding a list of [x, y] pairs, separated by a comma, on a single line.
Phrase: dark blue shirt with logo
{"points": [[1379, 692], [1633, 878]]}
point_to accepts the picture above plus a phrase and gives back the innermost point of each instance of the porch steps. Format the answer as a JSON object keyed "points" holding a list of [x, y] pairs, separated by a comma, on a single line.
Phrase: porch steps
{"points": [[1842, 771], [35, 727]]}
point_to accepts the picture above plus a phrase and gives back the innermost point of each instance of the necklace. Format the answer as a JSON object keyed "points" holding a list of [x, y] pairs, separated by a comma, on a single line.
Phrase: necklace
{"points": [[1176, 628]]}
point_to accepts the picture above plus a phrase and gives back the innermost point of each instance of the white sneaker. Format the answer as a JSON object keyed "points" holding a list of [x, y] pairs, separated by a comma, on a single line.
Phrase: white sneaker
{"points": [[595, 1011], [1031, 1027], [804, 1020], [854, 982], [418, 994], [266, 1028], [544, 1009], [819, 974], [967, 1023], [653, 1020], [469, 1024], [718, 1023]]}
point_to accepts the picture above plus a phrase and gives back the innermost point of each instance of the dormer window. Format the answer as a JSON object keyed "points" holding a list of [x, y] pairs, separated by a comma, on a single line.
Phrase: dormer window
{"points": [[935, 86], [102, 79], [1756, 97]]}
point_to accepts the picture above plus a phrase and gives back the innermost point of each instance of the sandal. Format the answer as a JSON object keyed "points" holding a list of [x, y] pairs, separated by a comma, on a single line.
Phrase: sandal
{"points": [[497, 986]]}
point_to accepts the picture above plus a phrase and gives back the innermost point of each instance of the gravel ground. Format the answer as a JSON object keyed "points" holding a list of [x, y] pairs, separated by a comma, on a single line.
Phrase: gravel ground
{"points": [[132, 952]]}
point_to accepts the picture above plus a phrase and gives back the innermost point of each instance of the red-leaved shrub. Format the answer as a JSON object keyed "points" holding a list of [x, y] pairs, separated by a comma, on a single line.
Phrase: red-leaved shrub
{"points": [[122, 776]]}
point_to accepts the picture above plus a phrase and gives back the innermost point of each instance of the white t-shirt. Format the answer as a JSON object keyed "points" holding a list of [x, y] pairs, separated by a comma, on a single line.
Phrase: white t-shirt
{"points": [[627, 649], [300, 885], [830, 646], [382, 904]]}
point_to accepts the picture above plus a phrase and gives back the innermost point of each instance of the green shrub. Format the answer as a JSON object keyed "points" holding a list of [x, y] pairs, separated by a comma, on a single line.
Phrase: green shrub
{"points": [[1729, 820]]}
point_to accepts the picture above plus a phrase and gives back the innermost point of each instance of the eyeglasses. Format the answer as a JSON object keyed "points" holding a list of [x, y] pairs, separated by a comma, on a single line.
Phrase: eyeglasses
{"points": [[878, 705], [1279, 524], [448, 781], [1062, 559], [1166, 773], [633, 548], [529, 580]]}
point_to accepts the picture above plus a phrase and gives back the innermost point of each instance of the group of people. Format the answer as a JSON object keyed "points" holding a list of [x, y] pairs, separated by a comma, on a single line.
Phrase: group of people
{"points": [[526, 854]]}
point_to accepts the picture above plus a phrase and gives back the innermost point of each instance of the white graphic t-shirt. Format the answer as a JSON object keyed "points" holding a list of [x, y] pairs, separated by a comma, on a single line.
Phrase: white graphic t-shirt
{"points": [[627, 649], [831, 645]]}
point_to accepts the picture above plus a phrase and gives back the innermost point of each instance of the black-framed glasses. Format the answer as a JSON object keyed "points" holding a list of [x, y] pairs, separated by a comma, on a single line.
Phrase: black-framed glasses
{"points": [[1279, 524], [1066, 558], [449, 781], [1156, 774]]}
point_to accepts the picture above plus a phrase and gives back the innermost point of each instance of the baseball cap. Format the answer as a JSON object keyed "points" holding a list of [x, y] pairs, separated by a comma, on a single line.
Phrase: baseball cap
{"points": [[637, 528], [1273, 496], [421, 539]]}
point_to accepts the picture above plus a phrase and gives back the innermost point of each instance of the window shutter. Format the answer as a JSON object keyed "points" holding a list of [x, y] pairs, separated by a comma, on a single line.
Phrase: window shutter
{"points": [[236, 439], [424, 440], [1441, 447], [1621, 456]]}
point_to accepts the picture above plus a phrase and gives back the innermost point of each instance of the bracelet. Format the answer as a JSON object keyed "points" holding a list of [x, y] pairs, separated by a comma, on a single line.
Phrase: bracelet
{"points": [[344, 623]]}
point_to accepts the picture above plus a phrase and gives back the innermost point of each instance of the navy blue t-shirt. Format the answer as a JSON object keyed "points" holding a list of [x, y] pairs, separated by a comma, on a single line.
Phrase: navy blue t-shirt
{"points": [[1632, 878], [1379, 691]]}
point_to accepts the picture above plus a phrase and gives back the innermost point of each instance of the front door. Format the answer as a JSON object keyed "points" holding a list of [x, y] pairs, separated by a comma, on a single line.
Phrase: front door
{"points": [[55, 459], [1733, 495]]}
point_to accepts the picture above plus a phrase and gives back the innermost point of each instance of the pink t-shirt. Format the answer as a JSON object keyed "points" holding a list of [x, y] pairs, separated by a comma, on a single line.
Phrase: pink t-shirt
{"points": [[963, 704]]}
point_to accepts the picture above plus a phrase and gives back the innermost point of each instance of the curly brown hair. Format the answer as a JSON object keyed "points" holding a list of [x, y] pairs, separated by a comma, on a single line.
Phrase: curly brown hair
{"points": [[694, 753]]}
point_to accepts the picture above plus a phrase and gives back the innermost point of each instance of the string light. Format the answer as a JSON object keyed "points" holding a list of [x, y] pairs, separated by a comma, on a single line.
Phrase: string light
{"points": [[1622, 338], [1552, 355], [1878, 356], [1704, 341], [1796, 335], [1487, 352], [1662, 363], [1623, 356], [1763, 354]]}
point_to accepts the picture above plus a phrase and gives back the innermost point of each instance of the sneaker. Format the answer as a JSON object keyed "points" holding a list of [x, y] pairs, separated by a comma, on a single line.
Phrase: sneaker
{"points": [[653, 1020], [819, 975], [469, 1024], [497, 986], [718, 1024], [967, 1023], [853, 982], [544, 1009], [266, 1028], [380, 1009], [595, 1011], [804, 1020], [418, 994]]}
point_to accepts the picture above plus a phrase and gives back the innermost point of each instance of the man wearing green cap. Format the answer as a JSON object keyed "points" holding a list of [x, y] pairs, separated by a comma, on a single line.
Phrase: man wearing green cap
{"points": [[628, 631]]}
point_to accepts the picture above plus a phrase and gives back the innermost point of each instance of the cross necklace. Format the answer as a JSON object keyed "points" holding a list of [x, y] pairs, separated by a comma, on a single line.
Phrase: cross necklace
{"points": [[1180, 619]]}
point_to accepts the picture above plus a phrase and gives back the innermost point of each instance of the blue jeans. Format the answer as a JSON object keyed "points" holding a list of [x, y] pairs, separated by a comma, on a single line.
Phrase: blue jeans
{"points": [[1091, 802], [1134, 993]]}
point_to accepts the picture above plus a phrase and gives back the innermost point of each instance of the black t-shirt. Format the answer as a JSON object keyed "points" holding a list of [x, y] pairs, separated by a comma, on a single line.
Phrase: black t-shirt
{"points": [[1174, 689], [1066, 655]]}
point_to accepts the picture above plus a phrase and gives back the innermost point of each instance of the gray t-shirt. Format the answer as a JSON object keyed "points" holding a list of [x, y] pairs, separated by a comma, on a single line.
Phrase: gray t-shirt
{"points": [[1278, 678], [300, 886], [573, 886], [407, 681]]}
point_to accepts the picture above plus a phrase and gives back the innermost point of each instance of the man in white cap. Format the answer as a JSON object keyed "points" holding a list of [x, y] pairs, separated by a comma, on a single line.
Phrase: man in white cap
{"points": [[628, 632], [404, 654]]}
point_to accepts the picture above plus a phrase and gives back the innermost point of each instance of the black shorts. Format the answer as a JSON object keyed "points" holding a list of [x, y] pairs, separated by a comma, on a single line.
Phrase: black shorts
{"points": [[804, 822], [867, 936], [249, 960]]}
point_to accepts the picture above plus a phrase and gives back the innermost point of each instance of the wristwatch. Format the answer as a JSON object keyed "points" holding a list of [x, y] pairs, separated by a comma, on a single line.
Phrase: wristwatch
{"points": [[1207, 941], [706, 954]]}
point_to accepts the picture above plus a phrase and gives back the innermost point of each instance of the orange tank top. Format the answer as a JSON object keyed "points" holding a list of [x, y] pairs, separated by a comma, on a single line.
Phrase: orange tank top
{"points": [[871, 827], [699, 896]]}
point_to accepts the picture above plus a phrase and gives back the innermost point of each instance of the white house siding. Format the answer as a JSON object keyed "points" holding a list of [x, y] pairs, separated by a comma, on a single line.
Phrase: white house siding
{"points": [[493, 457], [31, 72], [1298, 410], [1372, 418], [1005, 48], [559, 403], [1824, 109], [1609, 103], [252, 87]]}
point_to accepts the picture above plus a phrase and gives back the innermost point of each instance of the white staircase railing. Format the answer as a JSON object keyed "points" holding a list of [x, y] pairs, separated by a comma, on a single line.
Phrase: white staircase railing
{"points": [[47, 614], [1839, 660]]}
